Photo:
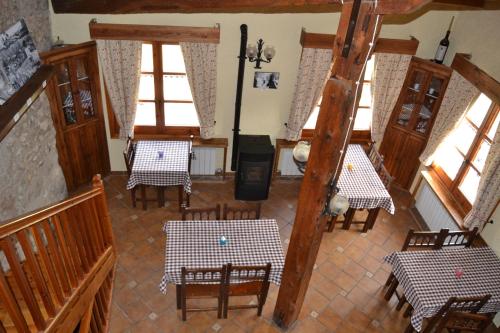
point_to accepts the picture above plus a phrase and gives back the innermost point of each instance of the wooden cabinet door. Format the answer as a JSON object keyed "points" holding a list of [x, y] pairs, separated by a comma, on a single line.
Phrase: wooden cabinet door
{"points": [[77, 112], [412, 119]]}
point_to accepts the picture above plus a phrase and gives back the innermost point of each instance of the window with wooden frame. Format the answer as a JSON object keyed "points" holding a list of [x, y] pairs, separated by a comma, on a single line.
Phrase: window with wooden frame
{"points": [[362, 123], [461, 157], [165, 104]]}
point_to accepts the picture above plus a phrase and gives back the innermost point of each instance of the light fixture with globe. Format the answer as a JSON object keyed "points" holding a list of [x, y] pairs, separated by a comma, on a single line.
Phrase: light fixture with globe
{"points": [[337, 204]]}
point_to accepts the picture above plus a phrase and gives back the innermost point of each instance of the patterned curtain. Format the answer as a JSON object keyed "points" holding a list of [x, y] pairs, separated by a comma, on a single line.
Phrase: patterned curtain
{"points": [[388, 79], [314, 70], [121, 66], [487, 193], [457, 98], [201, 68]]}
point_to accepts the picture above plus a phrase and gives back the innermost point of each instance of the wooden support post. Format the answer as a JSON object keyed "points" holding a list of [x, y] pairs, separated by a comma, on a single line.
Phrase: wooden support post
{"points": [[358, 27], [358, 24]]}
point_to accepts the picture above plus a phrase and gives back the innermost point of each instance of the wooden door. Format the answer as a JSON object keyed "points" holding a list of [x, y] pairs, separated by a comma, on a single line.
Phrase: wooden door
{"points": [[77, 112], [412, 119]]}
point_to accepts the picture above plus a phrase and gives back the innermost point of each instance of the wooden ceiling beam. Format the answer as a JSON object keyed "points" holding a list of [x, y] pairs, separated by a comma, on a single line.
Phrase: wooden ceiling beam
{"points": [[239, 6], [383, 45], [479, 78], [148, 33]]}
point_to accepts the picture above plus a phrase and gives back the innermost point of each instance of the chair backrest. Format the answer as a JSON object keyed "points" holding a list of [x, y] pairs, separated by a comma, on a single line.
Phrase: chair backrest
{"points": [[461, 238], [376, 159], [461, 304], [241, 213], [385, 177], [458, 321], [370, 147], [194, 276], [247, 280], [424, 240], [209, 213], [129, 154]]}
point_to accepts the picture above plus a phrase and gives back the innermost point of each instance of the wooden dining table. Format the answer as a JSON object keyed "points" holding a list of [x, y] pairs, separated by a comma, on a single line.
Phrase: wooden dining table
{"points": [[162, 164], [361, 185], [195, 244], [430, 278]]}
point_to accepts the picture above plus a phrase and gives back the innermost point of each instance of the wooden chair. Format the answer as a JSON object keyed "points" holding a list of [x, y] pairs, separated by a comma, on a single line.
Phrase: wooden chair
{"points": [[247, 281], [209, 213], [460, 238], [454, 304], [385, 177], [201, 284], [128, 156], [415, 240], [241, 213], [375, 157], [457, 321]]}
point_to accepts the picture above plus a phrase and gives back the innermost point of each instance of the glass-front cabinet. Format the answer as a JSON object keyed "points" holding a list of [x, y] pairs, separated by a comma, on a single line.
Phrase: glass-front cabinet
{"points": [[420, 99], [75, 92], [412, 119], [75, 98]]}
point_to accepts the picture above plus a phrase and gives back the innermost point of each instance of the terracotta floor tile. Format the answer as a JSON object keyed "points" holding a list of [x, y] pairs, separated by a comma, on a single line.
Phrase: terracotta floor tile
{"points": [[341, 306], [330, 319], [309, 325], [354, 270], [345, 281]]}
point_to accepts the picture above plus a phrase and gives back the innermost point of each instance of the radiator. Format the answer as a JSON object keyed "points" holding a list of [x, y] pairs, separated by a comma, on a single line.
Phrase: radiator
{"points": [[204, 161], [432, 210], [286, 164]]}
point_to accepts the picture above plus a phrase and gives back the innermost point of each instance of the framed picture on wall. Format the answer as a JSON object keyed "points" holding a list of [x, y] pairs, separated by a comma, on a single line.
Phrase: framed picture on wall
{"points": [[266, 80], [19, 59]]}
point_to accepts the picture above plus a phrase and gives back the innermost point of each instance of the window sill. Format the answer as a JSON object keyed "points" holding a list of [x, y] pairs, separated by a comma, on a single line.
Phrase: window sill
{"points": [[455, 210]]}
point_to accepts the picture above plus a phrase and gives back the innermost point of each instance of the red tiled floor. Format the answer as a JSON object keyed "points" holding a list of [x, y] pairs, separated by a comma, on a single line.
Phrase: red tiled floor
{"points": [[345, 293]]}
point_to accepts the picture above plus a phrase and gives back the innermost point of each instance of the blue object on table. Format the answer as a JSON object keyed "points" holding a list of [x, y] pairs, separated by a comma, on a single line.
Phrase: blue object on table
{"points": [[222, 240], [160, 154]]}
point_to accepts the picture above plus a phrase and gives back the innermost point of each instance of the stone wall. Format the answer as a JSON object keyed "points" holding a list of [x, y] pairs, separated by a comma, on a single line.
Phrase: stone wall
{"points": [[37, 17], [30, 174]]}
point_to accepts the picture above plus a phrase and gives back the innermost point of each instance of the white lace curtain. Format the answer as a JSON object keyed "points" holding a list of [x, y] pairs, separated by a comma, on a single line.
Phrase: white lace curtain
{"points": [[314, 70], [457, 98], [121, 66], [201, 68], [388, 78], [487, 193]]}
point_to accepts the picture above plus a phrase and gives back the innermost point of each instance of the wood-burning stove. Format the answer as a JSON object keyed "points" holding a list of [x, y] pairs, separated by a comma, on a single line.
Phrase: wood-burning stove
{"points": [[254, 167]]}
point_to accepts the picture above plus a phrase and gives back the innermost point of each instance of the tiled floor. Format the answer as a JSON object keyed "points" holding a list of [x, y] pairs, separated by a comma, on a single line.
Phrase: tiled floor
{"points": [[345, 293]]}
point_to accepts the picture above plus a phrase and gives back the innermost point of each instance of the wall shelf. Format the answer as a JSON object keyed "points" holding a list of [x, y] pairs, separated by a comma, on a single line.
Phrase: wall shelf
{"points": [[17, 105]]}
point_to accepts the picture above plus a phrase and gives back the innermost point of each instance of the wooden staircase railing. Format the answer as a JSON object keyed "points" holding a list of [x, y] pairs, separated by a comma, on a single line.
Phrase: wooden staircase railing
{"points": [[57, 267]]}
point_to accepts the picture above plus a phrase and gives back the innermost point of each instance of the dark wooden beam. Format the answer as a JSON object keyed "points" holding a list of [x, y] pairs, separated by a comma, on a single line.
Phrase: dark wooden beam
{"points": [[479, 78], [187, 6], [161, 33], [327, 152], [383, 45], [221, 6], [468, 3]]}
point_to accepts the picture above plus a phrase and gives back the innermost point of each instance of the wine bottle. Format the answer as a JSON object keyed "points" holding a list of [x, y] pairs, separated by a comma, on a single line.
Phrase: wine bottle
{"points": [[443, 45]]}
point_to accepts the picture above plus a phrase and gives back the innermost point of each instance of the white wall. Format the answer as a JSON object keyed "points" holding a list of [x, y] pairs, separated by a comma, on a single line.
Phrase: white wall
{"points": [[263, 112]]}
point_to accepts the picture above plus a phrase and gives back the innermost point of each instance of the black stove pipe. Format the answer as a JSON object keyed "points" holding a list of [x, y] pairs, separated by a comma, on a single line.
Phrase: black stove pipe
{"points": [[239, 92]]}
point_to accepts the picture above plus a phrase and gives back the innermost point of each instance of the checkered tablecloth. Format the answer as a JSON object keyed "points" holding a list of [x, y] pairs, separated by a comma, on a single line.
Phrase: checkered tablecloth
{"points": [[428, 278], [195, 244], [362, 185], [171, 170]]}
